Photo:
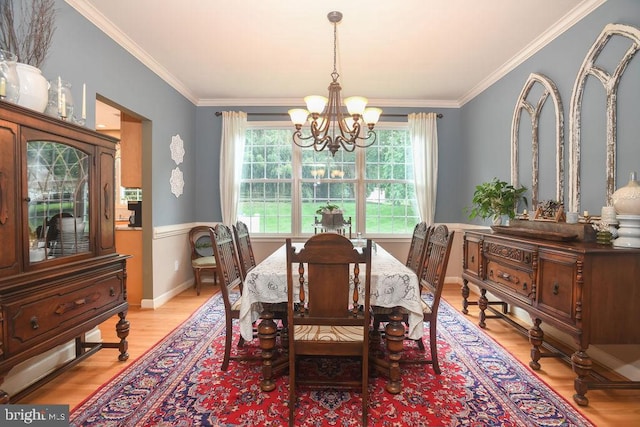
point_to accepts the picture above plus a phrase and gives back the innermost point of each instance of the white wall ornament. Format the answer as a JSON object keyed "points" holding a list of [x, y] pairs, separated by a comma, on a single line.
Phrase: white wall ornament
{"points": [[610, 82], [535, 110], [177, 182], [177, 149]]}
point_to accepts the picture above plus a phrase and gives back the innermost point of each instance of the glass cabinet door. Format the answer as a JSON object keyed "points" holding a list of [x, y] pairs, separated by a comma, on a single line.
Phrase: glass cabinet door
{"points": [[58, 185]]}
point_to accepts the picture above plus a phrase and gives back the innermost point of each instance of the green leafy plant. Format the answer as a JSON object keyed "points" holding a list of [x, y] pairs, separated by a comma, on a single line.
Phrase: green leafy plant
{"points": [[328, 208], [496, 198]]}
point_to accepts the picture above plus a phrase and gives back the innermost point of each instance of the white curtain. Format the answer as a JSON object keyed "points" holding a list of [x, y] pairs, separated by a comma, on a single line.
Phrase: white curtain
{"points": [[234, 124], [423, 131]]}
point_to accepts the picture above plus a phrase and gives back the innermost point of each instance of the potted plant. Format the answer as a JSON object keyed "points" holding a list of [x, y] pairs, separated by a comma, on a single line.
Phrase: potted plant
{"points": [[495, 199], [332, 217], [29, 35]]}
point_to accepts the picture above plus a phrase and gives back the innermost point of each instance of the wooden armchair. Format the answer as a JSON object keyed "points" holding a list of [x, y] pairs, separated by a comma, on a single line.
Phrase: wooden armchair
{"points": [[202, 258], [329, 318]]}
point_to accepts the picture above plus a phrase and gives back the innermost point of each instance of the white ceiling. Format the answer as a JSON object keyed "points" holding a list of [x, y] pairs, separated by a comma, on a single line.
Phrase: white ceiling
{"points": [[415, 53]]}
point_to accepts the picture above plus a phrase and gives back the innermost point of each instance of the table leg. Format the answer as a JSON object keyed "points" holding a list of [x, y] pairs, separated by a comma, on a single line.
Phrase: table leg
{"points": [[582, 366], [267, 332], [394, 340]]}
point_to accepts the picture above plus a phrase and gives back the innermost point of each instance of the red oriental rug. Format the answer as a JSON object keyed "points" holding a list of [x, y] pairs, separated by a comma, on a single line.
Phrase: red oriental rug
{"points": [[179, 383]]}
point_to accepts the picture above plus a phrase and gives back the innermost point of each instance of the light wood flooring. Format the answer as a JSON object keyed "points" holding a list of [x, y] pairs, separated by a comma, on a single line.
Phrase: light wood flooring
{"points": [[606, 408]]}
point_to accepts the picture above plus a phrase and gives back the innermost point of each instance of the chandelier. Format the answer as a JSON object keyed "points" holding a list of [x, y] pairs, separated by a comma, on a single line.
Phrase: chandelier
{"points": [[334, 128]]}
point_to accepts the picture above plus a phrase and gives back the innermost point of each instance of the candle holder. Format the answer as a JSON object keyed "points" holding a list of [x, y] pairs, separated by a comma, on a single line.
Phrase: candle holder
{"points": [[60, 103]]}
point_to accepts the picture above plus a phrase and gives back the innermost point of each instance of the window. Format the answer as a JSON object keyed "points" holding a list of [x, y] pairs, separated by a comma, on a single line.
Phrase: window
{"points": [[283, 185]]}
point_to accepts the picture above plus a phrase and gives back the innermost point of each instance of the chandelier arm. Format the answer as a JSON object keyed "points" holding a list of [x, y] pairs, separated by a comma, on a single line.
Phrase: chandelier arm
{"points": [[370, 134], [298, 138]]}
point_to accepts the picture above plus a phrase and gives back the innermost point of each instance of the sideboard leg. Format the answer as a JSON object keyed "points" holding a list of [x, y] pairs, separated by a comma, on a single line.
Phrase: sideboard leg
{"points": [[122, 330], [465, 296], [536, 338], [483, 302], [582, 366]]}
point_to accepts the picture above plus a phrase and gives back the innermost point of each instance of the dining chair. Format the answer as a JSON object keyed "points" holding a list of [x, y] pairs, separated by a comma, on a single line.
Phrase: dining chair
{"points": [[418, 243], [434, 268], [248, 262], [230, 287], [414, 262], [202, 258], [326, 314], [243, 245]]}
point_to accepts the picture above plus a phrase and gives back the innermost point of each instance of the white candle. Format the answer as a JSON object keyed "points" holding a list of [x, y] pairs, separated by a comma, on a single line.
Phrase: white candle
{"points": [[84, 101], [524, 212], [3, 87], [64, 106], [585, 214], [59, 95]]}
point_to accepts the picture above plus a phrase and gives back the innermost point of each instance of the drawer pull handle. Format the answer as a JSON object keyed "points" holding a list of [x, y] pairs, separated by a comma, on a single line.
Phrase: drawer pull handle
{"points": [[524, 286], [81, 301], [112, 292], [556, 288], [473, 259], [507, 277], [34, 323]]}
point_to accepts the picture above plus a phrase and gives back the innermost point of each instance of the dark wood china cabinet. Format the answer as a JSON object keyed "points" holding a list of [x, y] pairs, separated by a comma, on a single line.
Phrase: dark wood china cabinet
{"points": [[59, 273]]}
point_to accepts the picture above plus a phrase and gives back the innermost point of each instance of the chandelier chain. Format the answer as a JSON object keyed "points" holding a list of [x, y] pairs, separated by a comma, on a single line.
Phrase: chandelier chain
{"points": [[335, 74]]}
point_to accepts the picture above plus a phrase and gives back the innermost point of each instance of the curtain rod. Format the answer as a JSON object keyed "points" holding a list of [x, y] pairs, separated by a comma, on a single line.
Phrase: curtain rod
{"points": [[219, 113]]}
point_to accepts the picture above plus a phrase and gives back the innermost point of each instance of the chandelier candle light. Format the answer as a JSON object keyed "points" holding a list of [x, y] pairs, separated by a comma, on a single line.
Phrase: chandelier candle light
{"points": [[335, 129]]}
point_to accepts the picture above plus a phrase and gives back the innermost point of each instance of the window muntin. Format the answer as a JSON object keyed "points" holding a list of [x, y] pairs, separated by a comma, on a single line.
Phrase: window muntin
{"points": [[283, 185]]}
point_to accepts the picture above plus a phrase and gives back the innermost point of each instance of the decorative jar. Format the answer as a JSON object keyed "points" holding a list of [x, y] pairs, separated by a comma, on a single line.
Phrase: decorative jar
{"points": [[9, 80], [626, 200]]}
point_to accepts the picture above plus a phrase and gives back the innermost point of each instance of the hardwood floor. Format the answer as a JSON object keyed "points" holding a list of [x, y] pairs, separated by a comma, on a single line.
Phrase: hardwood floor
{"points": [[606, 408]]}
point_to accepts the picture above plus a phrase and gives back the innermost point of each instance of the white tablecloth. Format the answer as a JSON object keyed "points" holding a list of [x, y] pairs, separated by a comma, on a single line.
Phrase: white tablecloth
{"points": [[392, 284]]}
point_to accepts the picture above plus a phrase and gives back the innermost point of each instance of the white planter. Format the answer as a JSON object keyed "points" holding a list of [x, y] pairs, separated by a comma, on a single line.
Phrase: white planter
{"points": [[34, 88]]}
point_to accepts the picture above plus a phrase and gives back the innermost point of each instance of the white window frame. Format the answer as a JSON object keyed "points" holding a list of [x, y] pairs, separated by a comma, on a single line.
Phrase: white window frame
{"points": [[296, 179]]}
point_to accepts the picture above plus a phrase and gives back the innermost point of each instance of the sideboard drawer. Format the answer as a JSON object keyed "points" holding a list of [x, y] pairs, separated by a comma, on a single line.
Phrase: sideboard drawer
{"points": [[556, 288], [472, 255], [511, 280], [38, 318]]}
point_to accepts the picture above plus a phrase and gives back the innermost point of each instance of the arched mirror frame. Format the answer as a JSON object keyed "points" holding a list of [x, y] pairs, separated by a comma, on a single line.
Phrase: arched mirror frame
{"points": [[610, 83], [550, 90]]}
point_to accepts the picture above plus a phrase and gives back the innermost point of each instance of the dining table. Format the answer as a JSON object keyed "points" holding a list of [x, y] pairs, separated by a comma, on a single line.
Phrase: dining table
{"points": [[393, 285]]}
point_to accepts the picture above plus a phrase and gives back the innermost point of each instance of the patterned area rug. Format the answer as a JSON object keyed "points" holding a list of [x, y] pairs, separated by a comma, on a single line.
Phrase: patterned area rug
{"points": [[179, 383]]}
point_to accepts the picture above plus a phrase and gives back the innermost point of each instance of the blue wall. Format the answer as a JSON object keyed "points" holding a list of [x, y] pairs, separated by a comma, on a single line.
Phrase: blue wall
{"points": [[82, 53], [487, 118], [474, 141]]}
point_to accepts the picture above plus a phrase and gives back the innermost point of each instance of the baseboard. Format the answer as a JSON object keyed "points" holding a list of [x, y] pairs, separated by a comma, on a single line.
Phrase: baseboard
{"points": [[162, 299], [32, 370]]}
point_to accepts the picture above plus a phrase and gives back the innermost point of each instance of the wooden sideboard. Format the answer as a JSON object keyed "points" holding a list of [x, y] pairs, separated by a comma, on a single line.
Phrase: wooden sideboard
{"points": [[60, 275], [588, 291]]}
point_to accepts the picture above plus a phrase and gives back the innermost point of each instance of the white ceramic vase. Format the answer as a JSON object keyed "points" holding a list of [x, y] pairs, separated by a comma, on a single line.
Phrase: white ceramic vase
{"points": [[34, 88]]}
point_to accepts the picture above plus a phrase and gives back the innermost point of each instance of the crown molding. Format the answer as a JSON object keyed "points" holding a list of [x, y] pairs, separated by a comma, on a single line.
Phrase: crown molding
{"points": [[94, 16], [289, 102], [569, 20], [105, 25]]}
